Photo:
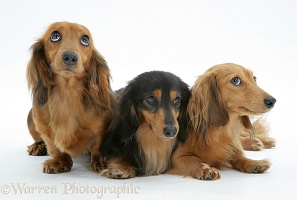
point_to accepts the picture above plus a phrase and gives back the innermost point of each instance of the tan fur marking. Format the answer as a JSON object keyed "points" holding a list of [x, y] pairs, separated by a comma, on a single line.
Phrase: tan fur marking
{"points": [[158, 93], [157, 152], [173, 95], [156, 121]]}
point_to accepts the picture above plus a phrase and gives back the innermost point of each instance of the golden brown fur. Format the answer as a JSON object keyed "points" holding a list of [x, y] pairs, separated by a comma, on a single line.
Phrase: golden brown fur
{"points": [[72, 97], [219, 111]]}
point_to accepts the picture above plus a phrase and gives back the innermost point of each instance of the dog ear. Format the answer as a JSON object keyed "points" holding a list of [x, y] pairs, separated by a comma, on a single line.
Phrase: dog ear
{"points": [[183, 116], [205, 108], [99, 80], [246, 122], [129, 119], [218, 114], [122, 128], [39, 74]]}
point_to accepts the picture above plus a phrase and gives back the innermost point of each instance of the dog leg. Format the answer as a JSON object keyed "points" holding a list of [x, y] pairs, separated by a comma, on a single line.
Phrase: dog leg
{"points": [[247, 165], [38, 148], [185, 164], [118, 169], [59, 162], [97, 163]]}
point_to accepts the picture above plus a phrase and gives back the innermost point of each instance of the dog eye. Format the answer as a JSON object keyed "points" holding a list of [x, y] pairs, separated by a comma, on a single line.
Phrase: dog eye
{"points": [[151, 100], [236, 81], [176, 101], [85, 40], [55, 37]]}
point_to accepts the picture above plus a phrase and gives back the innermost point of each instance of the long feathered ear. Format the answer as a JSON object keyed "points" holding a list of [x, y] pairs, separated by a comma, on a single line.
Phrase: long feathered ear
{"points": [[205, 108], [39, 74], [99, 80], [123, 126], [128, 122], [183, 116], [218, 114]]}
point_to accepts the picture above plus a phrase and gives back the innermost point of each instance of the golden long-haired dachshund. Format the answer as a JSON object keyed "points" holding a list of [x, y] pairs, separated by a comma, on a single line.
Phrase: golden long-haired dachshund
{"points": [[222, 100], [151, 121], [72, 97]]}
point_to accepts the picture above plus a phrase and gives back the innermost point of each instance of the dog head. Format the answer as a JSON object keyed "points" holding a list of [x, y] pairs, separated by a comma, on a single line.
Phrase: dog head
{"points": [[66, 50], [239, 91], [157, 99], [224, 90]]}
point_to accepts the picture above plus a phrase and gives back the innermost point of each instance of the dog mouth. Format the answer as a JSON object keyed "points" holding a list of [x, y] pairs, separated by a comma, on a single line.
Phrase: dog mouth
{"points": [[161, 136], [68, 72], [166, 138], [69, 67], [258, 112]]}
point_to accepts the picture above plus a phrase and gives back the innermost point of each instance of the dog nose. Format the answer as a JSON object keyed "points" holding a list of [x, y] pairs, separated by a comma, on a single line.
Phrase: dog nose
{"points": [[169, 131], [269, 102], [69, 58]]}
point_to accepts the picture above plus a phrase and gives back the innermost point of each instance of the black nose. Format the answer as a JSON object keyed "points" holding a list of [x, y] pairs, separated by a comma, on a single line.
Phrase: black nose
{"points": [[69, 58], [169, 131], [269, 102]]}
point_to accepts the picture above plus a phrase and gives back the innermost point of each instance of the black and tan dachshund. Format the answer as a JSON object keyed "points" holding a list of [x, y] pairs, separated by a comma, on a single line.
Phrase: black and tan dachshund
{"points": [[150, 122]]}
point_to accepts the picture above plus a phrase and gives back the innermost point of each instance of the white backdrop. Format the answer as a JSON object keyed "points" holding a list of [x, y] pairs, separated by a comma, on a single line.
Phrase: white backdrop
{"points": [[184, 37]]}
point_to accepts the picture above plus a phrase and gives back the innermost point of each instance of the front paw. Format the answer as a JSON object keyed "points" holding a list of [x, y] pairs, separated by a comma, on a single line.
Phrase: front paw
{"points": [[256, 166], [205, 172], [37, 149], [52, 166], [98, 164], [252, 144], [260, 167], [268, 142], [119, 171]]}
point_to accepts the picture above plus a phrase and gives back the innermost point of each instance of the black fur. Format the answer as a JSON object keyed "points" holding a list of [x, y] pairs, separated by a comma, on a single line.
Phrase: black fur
{"points": [[120, 140]]}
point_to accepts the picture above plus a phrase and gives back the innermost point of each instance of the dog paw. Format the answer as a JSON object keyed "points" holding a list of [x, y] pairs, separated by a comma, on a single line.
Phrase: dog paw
{"points": [[37, 149], [269, 142], [252, 144], [56, 166], [98, 165], [256, 166], [205, 172], [118, 171], [261, 168]]}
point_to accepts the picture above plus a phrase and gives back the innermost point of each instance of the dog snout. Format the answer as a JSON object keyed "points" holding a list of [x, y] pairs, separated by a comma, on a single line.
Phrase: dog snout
{"points": [[269, 102], [169, 131], [69, 58]]}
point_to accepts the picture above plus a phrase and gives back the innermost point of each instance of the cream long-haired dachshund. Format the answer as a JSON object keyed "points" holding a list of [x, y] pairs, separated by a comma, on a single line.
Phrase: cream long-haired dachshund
{"points": [[222, 100]]}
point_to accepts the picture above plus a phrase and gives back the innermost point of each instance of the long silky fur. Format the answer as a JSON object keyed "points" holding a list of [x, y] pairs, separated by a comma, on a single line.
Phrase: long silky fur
{"points": [[122, 139], [70, 113]]}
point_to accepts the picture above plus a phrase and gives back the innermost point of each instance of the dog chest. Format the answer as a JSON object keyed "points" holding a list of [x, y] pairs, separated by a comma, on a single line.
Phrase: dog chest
{"points": [[156, 152]]}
